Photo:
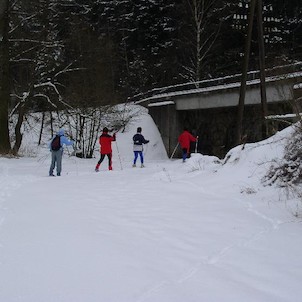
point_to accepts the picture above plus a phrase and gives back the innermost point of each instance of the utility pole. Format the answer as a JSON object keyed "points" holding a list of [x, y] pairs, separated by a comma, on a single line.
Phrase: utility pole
{"points": [[244, 71], [242, 93], [262, 68]]}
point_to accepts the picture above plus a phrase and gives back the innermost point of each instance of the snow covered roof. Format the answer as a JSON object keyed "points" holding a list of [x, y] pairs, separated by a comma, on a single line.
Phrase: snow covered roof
{"points": [[217, 88], [298, 86], [165, 103]]}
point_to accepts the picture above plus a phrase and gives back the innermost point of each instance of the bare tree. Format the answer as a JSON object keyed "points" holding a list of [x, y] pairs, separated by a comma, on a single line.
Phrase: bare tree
{"points": [[205, 24], [38, 61], [4, 78]]}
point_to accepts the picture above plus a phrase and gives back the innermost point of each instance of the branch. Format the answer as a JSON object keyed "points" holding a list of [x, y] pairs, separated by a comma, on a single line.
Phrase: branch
{"points": [[69, 70], [47, 98], [21, 23], [54, 87], [45, 43], [22, 99]]}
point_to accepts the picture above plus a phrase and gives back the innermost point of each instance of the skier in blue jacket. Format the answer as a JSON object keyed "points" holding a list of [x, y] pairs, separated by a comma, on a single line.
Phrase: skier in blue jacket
{"points": [[56, 155], [138, 141]]}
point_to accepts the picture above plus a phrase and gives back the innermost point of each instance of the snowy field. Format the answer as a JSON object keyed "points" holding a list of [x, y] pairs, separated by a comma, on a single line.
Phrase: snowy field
{"points": [[200, 231]]}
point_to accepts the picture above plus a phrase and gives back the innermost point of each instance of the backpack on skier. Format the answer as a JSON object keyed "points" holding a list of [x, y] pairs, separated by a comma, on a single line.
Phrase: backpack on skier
{"points": [[56, 143]]}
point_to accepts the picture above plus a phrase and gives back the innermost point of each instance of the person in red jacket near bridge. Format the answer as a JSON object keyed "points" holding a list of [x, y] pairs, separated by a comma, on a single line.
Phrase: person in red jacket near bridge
{"points": [[185, 139], [105, 141]]}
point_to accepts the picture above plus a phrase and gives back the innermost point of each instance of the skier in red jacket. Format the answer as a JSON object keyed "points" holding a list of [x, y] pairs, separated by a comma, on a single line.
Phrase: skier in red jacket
{"points": [[185, 138], [105, 143]]}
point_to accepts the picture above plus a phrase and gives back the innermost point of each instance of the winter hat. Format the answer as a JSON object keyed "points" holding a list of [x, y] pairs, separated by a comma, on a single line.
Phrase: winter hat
{"points": [[105, 129], [61, 132], [139, 129]]}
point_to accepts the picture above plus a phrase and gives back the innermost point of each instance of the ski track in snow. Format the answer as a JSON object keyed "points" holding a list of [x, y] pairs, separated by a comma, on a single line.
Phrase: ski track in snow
{"points": [[155, 289], [6, 187], [218, 256], [212, 260], [273, 226], [164, 174], [10, 183]]}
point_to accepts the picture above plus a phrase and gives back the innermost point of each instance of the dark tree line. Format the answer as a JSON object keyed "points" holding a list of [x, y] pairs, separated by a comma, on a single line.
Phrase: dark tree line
{"points": [[58, 54]]}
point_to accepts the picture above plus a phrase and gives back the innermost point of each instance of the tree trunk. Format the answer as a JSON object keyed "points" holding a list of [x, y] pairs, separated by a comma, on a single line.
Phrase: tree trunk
{"points": [[18, 133], [5, 147], [42, 127]]}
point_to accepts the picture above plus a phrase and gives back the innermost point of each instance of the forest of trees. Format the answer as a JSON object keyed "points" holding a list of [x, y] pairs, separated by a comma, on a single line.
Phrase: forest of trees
{"points": [[88, 53]]}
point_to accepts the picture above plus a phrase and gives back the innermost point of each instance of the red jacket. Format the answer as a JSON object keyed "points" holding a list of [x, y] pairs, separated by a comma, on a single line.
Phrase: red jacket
{"points": [[105, 142], [185, 139]]}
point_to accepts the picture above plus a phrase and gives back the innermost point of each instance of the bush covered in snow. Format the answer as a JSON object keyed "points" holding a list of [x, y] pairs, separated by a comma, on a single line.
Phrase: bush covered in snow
{"points": [[84, 127], [288, 171]]}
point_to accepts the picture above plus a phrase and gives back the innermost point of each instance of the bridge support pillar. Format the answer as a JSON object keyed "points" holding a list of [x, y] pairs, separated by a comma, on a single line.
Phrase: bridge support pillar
{"points": [[167, 121], [297, 102]]}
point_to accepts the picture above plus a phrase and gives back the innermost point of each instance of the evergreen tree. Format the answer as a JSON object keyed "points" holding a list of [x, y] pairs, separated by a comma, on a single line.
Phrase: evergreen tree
{"points": [[282, 26], [287, 30], [140, 32]]}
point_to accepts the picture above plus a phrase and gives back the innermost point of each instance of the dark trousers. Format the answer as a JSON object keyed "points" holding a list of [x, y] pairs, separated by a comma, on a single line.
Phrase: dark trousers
{"points": [[109, 155], [184, 153]]}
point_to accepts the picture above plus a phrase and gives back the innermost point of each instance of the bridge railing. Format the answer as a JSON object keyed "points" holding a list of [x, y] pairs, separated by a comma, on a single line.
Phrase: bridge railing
{"points": [[252, 75]]}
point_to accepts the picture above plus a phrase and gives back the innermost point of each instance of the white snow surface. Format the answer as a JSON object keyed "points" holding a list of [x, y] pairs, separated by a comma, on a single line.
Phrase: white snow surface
{"points": [[201, 231]]}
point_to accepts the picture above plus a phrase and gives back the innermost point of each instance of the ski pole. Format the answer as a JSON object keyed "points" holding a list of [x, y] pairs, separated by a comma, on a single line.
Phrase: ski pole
{"points": [[174, 150], [145, 153], [73, 160], [118, 154], [196, 144]]}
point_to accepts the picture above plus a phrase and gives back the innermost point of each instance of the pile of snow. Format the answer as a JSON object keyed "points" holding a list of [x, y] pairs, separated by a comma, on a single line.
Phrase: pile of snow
{"points": [[203, 230], [155, 150]]}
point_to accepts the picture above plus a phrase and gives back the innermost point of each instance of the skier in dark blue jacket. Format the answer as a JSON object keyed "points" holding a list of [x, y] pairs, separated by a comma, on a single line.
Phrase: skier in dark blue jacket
{"points": [[138, 142]]}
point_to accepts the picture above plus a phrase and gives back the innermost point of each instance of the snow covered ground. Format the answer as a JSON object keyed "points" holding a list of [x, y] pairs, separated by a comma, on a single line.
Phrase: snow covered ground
{"points": [[202, 231]]}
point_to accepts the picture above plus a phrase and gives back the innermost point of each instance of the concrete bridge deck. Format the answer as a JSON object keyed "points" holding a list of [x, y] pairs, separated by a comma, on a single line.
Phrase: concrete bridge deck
{"points": [[279, 88], [209, 108]]}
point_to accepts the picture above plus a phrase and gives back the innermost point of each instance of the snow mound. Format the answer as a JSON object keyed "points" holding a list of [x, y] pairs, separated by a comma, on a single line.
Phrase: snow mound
{"points": [[258, 156]]}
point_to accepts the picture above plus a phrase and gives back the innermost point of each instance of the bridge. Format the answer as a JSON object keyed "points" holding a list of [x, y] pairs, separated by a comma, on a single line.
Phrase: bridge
{"points": [[209, 108]]}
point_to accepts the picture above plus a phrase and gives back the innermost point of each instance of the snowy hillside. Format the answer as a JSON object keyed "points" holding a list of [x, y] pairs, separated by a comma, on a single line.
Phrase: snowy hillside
{"points": [[204, 230]]}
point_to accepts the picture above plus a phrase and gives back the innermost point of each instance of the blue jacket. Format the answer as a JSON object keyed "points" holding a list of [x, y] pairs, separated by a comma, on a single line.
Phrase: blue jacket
{"points": [[63, 139]]}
